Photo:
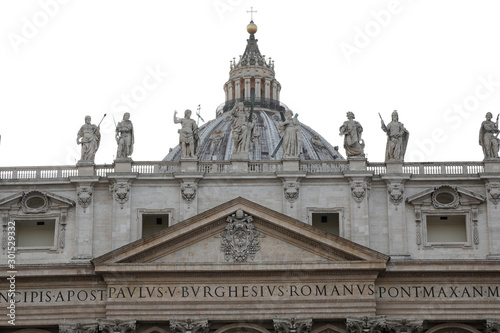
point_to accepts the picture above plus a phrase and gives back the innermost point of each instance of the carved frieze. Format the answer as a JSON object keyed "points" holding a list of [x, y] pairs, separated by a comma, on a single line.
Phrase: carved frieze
{"points": [[79, 328], [492, 326], [404, 325], [365, 324], [189, 326], [292, 325], [240, 239], [117, 326]]}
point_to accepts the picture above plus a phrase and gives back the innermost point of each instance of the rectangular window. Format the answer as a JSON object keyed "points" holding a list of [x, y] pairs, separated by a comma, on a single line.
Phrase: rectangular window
{"points": [[326, 221], [153, 223], [446, 229], [39, 233]]}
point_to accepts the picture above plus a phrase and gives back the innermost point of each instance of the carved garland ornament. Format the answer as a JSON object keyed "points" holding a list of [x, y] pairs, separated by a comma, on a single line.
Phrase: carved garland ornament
{"points": [[113, 326], [291, 190], [84, 196], [365, 324], [396, 192], [240, 240], [359, 190], [79, 328], [189, 326], [121, 193], [493, 192], [292, 325], [188, 192]]}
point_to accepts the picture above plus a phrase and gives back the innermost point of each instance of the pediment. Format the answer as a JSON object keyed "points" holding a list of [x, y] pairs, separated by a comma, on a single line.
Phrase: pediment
{"points": [[445, 196], [240, 233], [35, 202]]}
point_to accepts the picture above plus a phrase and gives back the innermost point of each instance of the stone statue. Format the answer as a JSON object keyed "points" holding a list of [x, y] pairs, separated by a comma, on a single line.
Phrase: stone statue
{"points": [[352, 130], [242, 128], [488, 137], [397, 138], [188, 134], [292, 135], [125, 137], [89, 137]]}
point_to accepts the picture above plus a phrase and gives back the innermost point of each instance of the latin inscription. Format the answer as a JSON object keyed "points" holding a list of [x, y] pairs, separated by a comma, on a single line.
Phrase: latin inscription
{"points": [[277, 292]]}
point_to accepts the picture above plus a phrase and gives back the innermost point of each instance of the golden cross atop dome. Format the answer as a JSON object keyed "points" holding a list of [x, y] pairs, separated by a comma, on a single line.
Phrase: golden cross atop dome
{"points": [[251, 11]]}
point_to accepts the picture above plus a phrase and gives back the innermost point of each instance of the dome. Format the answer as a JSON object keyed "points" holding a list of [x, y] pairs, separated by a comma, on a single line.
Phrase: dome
{"points": [[252, 81], [216, 140]]}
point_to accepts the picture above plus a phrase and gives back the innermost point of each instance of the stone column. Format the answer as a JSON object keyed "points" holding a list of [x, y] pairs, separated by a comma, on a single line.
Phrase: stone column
{"points": [[292, 325], [492, 184], [230, 87], [275, 89], [365, 324], [257, 88], [267, 89], [120, 188], [117, 326], [189, 326], [396, 215], [237, 89], [247, 89]]}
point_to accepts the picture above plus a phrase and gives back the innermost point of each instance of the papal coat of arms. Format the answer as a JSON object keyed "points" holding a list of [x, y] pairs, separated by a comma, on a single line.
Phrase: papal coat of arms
{"points": [[240, 240]]}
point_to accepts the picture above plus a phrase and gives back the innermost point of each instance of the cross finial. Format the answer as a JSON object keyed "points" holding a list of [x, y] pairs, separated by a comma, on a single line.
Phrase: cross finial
{"points": [[251, 11]]}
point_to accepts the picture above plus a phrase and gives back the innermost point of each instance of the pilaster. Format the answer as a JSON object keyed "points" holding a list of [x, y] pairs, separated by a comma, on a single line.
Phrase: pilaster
{"points": [[188, 184], [396, 212], [84, 227], [492, 184], [121, 190], [291, 192]]}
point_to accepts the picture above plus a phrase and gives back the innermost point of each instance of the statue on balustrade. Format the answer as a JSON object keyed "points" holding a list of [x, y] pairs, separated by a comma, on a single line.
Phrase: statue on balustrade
{"points": [[188, 134], [292, 135], [125, 137], [242, 128], [488, 137], [397, 138], [352, 130], [89, 137]]}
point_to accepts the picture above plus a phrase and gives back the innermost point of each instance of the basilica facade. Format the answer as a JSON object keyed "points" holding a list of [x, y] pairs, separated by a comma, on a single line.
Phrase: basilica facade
{"points": [[253, 223]]}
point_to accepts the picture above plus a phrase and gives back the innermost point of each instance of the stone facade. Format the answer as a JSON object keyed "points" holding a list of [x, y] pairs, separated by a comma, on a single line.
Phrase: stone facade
{"points": [[299, 245]]}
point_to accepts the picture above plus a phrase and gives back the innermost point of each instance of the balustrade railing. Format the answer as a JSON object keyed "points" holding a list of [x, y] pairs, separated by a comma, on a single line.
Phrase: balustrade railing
{"points": [[224, 167]]}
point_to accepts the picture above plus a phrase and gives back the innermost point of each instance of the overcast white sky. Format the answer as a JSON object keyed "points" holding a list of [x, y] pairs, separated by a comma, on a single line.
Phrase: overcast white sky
{"points": [[436, 62]]}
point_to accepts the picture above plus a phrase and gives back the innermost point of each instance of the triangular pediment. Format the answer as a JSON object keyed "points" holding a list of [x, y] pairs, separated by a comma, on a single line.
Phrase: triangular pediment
{"points": [[240, 233], [445, 196], [34, 202]]}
